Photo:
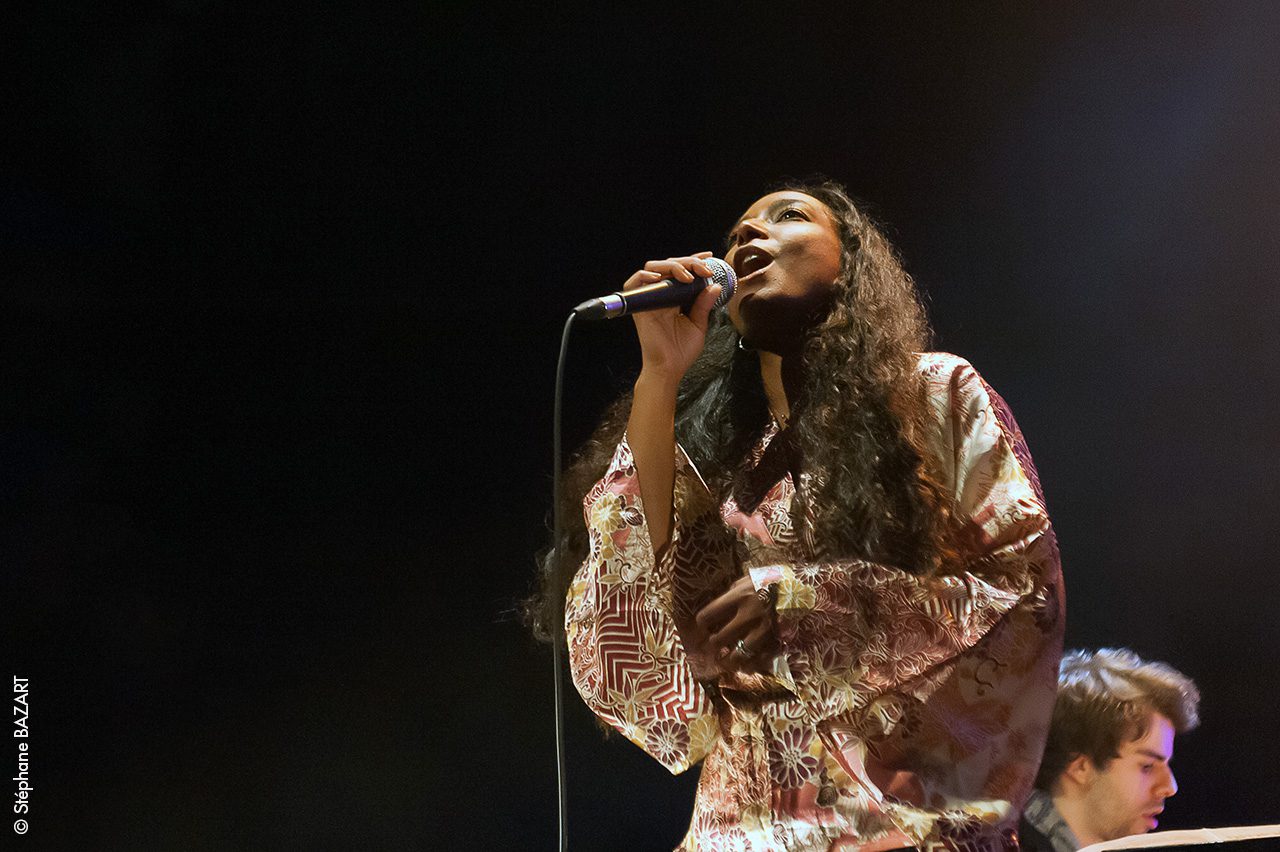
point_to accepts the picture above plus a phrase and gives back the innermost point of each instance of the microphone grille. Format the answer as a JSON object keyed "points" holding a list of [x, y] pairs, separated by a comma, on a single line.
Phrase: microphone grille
{"points": [[722, 274]]}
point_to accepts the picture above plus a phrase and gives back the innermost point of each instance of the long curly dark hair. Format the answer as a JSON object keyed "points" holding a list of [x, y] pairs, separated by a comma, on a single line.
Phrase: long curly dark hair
{"points": [[857, 425]]}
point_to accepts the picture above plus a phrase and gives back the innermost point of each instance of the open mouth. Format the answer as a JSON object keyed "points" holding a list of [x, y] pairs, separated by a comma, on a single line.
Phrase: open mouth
{"points": [[749, 261]]}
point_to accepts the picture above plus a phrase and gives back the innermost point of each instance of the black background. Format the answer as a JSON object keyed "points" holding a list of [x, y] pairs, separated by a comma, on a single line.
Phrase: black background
{"points": [[282, 293]]}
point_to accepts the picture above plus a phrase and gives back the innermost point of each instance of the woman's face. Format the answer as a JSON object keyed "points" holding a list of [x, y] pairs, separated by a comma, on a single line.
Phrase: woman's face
{"points": [[786, 252]]}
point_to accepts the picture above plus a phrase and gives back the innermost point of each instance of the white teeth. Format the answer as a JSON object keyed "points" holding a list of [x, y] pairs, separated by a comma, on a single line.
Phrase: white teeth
{"points": [[751, 262]]}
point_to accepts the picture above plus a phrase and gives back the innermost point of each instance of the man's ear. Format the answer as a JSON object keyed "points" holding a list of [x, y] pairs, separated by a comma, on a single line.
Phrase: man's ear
{"points": [[1080, 772]]}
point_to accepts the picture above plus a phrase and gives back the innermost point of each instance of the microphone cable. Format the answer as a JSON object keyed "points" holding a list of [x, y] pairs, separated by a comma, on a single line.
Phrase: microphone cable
{"points": [[615, 304], [557, 567]]}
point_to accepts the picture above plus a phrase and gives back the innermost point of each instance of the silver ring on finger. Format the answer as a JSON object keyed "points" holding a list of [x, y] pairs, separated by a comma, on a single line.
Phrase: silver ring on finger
{"points": [[742, 648]]}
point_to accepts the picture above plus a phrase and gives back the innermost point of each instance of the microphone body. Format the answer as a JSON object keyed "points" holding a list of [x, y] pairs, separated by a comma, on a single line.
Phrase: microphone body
{"points": [[661, 294]]}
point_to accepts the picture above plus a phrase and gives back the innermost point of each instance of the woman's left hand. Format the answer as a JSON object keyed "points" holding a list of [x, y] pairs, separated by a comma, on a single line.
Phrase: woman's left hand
{"points": [[739, 628]]}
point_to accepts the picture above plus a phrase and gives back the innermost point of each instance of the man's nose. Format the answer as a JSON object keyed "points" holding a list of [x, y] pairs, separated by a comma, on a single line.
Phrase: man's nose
{"points": [[1168, 784]]}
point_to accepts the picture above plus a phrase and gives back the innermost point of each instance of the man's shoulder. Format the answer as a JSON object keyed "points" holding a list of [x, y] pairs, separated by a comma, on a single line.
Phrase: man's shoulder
{"points": [[1042, 828], [1030, 839]]}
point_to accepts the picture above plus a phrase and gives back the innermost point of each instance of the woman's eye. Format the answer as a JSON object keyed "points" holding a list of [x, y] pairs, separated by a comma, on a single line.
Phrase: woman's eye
{"points": [[790, 213]]}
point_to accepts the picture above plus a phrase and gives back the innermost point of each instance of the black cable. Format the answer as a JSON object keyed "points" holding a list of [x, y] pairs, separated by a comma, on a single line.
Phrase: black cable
{"points": [[557, 567]]}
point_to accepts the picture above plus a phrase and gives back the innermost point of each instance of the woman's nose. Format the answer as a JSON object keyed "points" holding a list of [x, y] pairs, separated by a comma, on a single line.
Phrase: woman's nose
{"points": [[747, 230]]}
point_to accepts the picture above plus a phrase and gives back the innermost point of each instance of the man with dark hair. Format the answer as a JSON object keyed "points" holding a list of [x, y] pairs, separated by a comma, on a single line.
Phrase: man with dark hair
{"points": [[1105, 772]]}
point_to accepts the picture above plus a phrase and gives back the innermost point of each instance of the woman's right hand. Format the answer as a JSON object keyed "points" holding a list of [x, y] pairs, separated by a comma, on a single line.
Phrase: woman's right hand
{"points": [[670, 341]]}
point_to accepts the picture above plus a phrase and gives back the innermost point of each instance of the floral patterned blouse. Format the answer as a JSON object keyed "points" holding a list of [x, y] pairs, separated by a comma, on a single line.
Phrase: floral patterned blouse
{"points": [[901, 710]]}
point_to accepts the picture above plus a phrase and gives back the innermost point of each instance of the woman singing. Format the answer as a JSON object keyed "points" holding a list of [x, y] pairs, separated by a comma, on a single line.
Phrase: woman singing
{"points": [[815, 556]]}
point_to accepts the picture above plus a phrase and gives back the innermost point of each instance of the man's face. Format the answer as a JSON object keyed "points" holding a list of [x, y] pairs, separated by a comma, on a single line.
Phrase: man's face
{"points": [[1127, 796]]}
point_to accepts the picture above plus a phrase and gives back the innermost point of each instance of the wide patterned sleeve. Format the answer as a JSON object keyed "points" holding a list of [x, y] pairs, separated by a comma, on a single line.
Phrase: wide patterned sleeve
{"points": [[853, 631], [623, 608]]}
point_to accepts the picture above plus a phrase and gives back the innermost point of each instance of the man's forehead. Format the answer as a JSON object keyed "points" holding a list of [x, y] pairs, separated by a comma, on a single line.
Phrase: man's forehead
{"points": [[1156, 741]]}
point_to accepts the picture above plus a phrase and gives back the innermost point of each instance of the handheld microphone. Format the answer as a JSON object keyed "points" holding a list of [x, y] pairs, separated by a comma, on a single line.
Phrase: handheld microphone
{"points": [[661, 294]]}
